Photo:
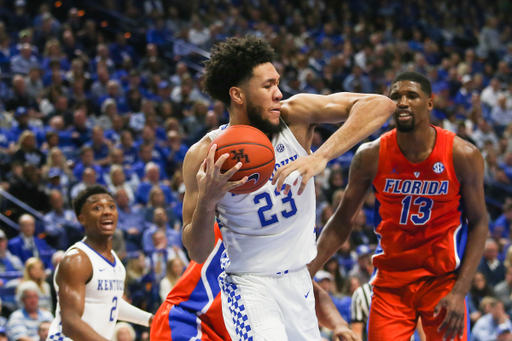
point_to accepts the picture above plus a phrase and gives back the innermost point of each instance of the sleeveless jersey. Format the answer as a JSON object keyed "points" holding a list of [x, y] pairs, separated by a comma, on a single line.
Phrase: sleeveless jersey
{"points": [[266, 232], [198, 292], [418, 214], [102, 295]]}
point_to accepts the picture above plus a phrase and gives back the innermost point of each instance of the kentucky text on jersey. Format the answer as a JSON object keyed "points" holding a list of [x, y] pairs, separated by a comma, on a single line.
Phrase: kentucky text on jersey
{"points": [[422, 187], [282, 163], [110, 284]]}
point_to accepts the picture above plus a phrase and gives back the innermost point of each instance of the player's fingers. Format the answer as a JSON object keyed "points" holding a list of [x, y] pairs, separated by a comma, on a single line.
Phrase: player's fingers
{"points": [[220, 161], [202, 167], [238, 183], [282, 177], [445, 322], [462, 326], [303, 184], [232, 171], [290, 179], [277, 174]]}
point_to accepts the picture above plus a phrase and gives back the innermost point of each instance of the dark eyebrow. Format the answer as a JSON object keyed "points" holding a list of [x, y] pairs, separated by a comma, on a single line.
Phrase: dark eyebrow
{"points": [[272, 80]]}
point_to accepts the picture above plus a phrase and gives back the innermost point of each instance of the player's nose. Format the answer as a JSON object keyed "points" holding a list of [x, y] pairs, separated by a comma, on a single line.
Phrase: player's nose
{"points": [[402, 102], [278, 95]]}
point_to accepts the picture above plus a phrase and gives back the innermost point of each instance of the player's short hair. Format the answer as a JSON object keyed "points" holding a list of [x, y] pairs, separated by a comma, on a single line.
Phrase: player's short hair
{"points": [[82, 197], [417, 77], [232, 62]]}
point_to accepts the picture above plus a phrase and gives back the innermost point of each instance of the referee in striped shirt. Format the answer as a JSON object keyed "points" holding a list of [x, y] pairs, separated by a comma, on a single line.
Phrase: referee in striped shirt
{"points": [[359, 310]]}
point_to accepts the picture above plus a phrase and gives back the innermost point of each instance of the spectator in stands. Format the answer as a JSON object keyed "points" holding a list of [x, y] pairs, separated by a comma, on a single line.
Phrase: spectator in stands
{"points": [[79, 132], [88, 179], [325, 281], [124, 332], [34, 84], [490, 266], [130, 176], [24, 62], [160, 223], [130, 155], [42, 331], [114, 133], [484, 133], [8, 261], [501, 227], [19, 96], [361, 233], [27, 150], [24, 323], [152, 179], [118, 181], [61, 223], [88, 161], [26, 245], [491, 324], [491, 93], [162, 254], [464, 94], [114, 91], [3, 333], [99, 87], [500, 114], [363, 270], [100, 147], [503, 290], [34, 272], [28, 188], [56, 161], [173, 271]]}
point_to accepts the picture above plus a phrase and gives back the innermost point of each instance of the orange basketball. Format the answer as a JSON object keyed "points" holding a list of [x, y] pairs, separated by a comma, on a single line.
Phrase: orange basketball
{"points": [[251, 147]]}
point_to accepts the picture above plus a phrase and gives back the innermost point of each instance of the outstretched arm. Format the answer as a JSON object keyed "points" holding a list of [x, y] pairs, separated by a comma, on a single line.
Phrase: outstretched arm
{"points": [[129, 313], [74, 271], [469, 167], [363, 114], [329, 316], [337, 230]]}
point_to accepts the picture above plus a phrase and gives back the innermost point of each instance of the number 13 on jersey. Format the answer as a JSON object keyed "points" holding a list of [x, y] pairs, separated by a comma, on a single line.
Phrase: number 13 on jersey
{"points": [[424, 210]]}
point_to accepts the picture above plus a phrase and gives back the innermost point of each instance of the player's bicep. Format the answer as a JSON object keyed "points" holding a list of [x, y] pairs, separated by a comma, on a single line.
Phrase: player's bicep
{"points": [[74, 271], [470, 170], [191, 165]]}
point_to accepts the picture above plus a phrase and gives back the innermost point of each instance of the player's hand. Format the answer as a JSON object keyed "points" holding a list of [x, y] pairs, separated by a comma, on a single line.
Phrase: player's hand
{"points": [[454, 321], [212, 184], [343, 333], [306, 166]]}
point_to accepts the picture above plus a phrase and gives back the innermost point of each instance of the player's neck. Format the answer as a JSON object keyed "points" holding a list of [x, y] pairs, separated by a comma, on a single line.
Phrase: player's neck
{"points": [[418, 144], [101, 244]]}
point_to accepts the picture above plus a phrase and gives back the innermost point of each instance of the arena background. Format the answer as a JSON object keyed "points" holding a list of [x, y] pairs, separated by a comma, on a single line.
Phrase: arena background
{"points": [[92, 91]]}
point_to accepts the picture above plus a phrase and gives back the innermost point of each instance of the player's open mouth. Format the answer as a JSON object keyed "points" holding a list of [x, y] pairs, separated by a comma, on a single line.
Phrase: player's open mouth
{"points": [[108, 224], [403, 115]]}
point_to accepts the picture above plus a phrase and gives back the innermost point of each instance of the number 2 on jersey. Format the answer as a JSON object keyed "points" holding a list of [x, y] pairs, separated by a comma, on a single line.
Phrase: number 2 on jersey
{"points": [[114, 301], [273, 218], [424, 211]]}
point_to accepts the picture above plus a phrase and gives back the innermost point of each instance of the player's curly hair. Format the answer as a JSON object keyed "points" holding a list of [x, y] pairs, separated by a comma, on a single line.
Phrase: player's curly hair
{"points": [[82, 197], [232, 62]]}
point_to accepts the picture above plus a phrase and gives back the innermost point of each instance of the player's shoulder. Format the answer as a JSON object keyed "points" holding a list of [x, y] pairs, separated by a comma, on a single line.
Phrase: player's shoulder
{"points": [[75, 263], [198, 151], [464, 151], [369, 151]]}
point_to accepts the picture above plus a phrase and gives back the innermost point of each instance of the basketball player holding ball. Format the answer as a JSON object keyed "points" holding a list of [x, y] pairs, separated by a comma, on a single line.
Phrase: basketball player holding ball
{"points": [[269, 235]]}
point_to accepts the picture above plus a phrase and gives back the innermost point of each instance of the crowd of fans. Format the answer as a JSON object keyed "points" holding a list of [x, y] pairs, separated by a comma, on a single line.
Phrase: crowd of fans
{"points": [[86, 102]]}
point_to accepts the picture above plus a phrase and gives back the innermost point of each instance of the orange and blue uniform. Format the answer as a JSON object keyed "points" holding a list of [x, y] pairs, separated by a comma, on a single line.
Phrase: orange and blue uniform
{"points": [[422, 235], [192, 310]]}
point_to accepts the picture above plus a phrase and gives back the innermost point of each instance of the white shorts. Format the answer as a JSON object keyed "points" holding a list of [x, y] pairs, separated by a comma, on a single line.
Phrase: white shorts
{"points": [[267, 308]]}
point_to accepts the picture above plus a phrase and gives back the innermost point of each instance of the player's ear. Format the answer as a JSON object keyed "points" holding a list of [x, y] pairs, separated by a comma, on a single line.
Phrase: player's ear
{"points": [[81, 219], [237, 95], [430, 103]]}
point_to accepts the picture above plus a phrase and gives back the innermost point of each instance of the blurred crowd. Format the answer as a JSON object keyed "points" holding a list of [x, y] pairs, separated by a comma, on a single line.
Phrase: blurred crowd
{"points": [[110, 93]]}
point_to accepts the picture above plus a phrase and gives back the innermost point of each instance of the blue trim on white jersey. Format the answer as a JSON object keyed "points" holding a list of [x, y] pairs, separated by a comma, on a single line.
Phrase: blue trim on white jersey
{"points": [[237, 310], [106, 260]]}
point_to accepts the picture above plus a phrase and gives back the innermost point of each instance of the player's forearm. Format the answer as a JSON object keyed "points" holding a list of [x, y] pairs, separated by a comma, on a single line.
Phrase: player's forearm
{"points": [[366, 116], [472, 255], [357, 328], [198, 235], [326, 312], [76, 329], [332, 237], [129, 313]]}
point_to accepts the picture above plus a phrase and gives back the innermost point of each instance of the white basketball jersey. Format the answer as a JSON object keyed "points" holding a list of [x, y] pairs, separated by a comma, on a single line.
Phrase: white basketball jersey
{"points": [[102, 295], [266, 232]]}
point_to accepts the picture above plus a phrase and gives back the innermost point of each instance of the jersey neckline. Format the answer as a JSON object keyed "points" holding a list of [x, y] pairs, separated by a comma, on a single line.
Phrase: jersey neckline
{"points": [[434, 150], [105, 259]]}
